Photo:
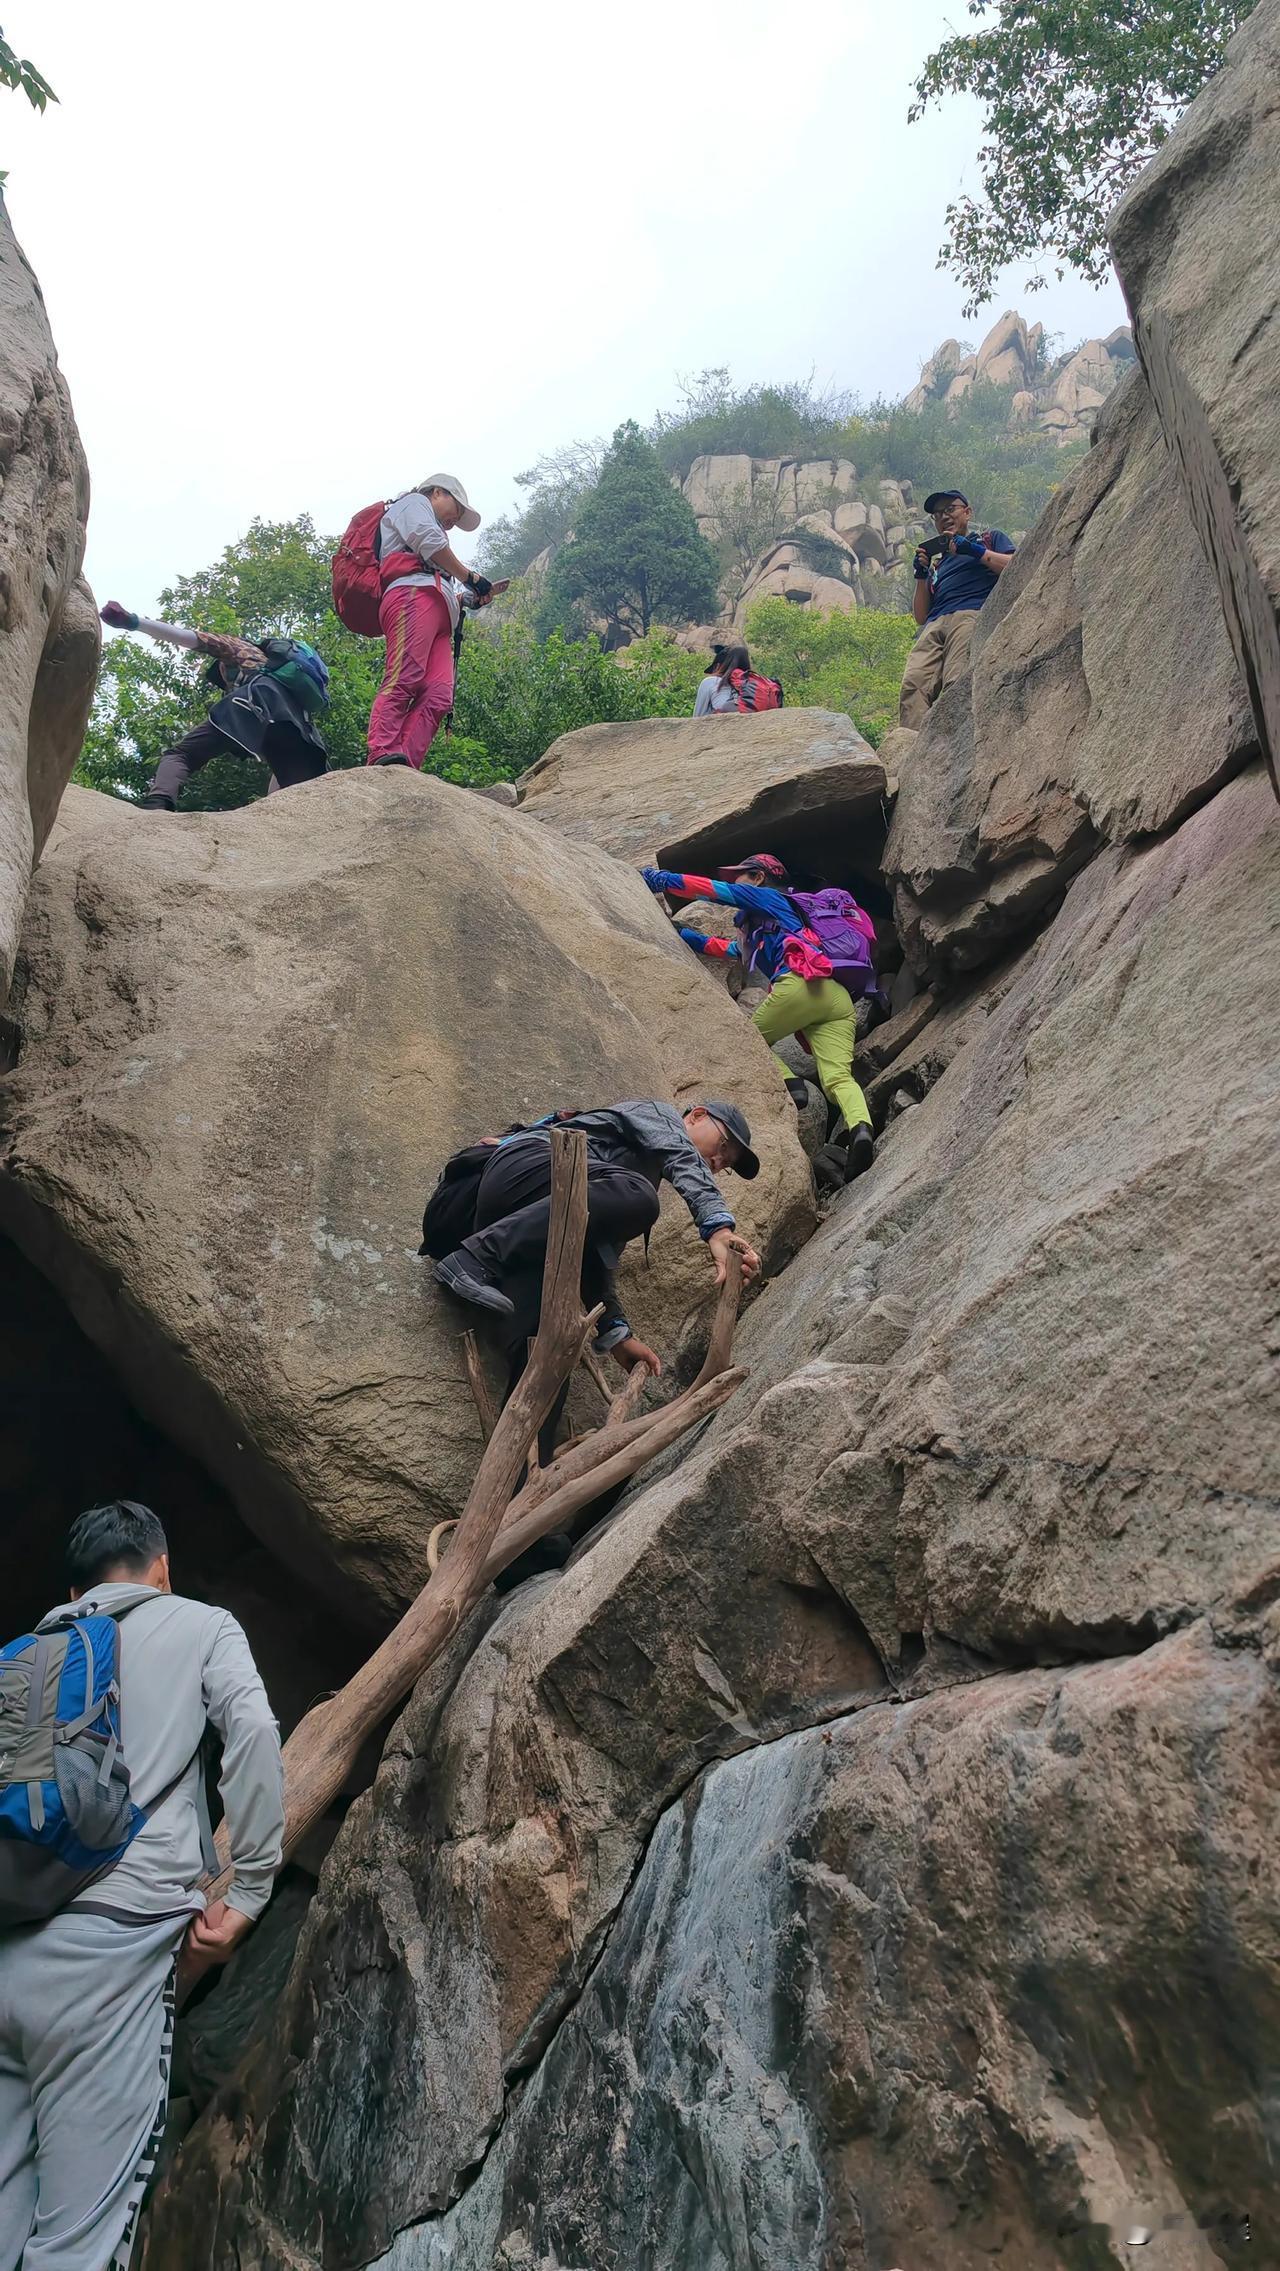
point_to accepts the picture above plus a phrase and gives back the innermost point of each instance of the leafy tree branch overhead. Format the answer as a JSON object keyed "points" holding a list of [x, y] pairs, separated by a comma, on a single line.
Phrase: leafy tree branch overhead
{"points": [[18, 72], [1076, 96]]}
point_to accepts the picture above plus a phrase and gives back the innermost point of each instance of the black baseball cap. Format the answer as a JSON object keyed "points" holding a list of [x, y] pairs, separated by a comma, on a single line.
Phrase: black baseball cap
{"points": [[735, 1123], [944, 497]]}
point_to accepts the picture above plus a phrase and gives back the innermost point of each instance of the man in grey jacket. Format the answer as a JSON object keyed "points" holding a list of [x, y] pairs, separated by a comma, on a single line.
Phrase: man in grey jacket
{"points": [[86, 1999], [631, 1149]]}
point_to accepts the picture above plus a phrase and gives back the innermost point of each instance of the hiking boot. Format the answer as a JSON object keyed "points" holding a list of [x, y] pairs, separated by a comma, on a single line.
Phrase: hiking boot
{"points": [[394, 759], [798, 1091], [466, 1278], [861, 1151], [153, 803]]}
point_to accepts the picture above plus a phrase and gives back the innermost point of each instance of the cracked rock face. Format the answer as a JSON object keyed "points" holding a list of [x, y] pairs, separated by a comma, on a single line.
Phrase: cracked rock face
{"points": [[697, 792], [251, 1039], [49, 631], [1197, 247], [1081, 723], [748, 1895], [905, 1989]]}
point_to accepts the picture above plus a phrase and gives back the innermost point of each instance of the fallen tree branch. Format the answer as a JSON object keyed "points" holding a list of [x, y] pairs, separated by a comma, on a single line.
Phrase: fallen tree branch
{"points": [[478, 1382]]}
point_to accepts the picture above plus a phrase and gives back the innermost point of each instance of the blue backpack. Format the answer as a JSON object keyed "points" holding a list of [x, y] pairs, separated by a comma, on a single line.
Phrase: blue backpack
{"points": [[300, 670], [65, 1810]]}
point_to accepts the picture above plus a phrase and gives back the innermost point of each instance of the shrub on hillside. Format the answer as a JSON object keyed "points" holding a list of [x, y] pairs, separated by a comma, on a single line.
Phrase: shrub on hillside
{"points": [[1007, 472], [850, 662]]}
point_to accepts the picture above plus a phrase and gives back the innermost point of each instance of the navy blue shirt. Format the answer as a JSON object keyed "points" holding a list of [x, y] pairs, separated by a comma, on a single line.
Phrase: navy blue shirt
{"points": [[958, 582]]}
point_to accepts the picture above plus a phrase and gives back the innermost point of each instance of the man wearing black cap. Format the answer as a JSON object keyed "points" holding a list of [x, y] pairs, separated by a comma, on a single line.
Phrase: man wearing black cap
{"points": [[631, 1149], [955, 574]]}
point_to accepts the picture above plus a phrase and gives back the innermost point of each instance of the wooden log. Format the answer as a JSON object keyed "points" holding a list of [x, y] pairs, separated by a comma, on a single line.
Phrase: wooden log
{"points": [[477, 1380]]}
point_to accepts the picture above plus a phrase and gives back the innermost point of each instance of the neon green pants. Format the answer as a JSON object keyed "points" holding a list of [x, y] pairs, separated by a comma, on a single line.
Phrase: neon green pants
{"points": [[824, 1013]]}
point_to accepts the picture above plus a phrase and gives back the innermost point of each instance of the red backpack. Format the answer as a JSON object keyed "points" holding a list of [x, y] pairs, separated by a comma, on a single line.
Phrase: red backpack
{"points": [[756, 693], [357, 576], [360, 577]]}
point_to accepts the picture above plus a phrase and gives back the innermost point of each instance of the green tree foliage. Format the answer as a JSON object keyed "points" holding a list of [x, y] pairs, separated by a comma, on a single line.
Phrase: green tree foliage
{"points": [[635, 555], [717, 419], [18, 72], [1009, 472], [850, 662], [556, 486], [516, 692], [1076, 95]]}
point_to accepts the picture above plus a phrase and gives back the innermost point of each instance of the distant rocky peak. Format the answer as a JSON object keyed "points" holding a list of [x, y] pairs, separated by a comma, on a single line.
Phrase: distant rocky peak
{"points": [[1061, 395]]}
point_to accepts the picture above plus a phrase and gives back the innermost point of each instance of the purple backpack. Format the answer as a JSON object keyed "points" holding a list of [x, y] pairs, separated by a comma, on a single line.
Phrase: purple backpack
{"points": [[847, 935]]}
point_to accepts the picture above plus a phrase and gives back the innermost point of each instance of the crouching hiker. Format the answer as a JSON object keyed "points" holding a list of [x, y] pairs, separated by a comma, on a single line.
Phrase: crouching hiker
{"points": [[270, 692], [103, 1844], [631, 1149], [813, 974]]}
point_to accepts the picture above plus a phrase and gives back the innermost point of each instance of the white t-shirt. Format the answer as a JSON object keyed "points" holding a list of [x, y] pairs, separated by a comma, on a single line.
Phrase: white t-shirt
{"points": [[409, 525], [714, 694]]}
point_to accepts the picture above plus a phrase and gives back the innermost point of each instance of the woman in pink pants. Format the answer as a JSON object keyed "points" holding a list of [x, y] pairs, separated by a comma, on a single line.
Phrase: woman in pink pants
{"points": [[419, 615]]}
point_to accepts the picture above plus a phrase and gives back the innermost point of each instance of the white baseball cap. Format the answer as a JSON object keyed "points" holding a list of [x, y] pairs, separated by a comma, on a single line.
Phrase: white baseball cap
{"points": [[469, 518]]}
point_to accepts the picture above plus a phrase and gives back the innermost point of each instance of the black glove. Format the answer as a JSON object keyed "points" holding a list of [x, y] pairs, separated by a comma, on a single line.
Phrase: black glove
{"points": [[480, 585], [921, 568]]}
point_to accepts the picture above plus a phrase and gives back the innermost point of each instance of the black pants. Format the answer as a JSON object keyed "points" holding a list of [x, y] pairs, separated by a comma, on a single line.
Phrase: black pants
{"points": [[513, 1211], [287, 754]]}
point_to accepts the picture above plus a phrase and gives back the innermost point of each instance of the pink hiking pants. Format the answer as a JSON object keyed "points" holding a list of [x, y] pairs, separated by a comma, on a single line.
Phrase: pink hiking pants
{"points": [[417, 682]]}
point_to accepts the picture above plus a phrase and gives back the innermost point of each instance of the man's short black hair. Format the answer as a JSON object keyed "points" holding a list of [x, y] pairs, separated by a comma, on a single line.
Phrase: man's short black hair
{"points": [[120, 1535]]}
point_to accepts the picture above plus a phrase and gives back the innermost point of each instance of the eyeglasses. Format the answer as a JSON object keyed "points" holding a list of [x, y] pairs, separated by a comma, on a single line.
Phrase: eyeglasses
{"points": [[726, 1150]]}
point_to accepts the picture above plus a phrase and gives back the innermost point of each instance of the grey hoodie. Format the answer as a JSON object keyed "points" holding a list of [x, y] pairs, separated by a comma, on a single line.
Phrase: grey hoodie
{"points": [[185, 1666]]}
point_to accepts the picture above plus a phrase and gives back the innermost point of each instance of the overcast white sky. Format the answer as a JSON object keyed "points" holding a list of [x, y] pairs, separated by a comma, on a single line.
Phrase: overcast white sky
{"points": [[296, 257]]}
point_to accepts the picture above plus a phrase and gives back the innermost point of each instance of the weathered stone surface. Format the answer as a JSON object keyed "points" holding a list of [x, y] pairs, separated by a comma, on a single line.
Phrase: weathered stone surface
{"points": [[1080, 723], [49, 631], [251, 1039], [947, 1984], [1012, 1403], [703, 790], [511, 1811], [1197, 245]]}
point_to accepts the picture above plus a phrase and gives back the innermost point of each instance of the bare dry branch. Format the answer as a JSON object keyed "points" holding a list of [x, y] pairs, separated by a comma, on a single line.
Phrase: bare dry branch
{"points": [[479, 1385]]}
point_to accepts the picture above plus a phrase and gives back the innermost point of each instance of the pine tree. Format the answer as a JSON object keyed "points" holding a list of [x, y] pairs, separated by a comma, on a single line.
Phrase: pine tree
{"points": [[636, 554]]}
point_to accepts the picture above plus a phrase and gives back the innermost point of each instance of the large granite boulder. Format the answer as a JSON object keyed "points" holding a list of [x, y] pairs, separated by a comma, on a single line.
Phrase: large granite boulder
{"points": [[49, 631], [1080, 723], [249, 1042], [1197, 246], [908, 1991], [696, 792], [925, 1981]]}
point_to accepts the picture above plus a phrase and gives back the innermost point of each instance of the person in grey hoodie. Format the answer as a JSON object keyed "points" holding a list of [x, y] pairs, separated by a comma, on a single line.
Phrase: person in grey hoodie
{"points": [[86, 1998]]}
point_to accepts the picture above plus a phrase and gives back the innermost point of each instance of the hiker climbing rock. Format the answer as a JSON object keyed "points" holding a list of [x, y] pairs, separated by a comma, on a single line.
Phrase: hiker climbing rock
{"points": [[102, 1851], [731, 684], [396, 577], [504, 1190], [956, 574], [815, 950], [270, 692]]}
